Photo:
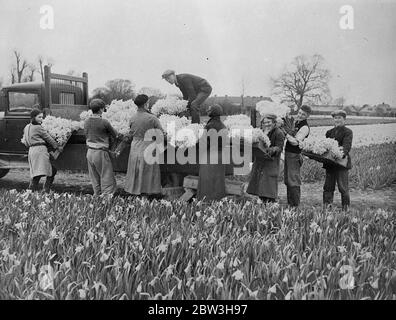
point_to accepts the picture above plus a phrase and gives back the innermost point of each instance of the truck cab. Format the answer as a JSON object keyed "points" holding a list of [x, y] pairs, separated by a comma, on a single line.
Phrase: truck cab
{"points": [[59, 95]]}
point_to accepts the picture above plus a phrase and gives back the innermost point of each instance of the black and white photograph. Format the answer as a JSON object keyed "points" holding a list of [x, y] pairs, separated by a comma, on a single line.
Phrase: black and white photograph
{"points": [[207, 151]]}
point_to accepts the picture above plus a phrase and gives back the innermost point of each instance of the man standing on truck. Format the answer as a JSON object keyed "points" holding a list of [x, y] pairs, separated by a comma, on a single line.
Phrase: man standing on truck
{"points": [[194, 89], [98, 132]]}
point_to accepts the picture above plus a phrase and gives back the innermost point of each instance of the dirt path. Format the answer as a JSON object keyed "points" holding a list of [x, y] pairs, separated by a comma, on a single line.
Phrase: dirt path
{"points": [[311, 193]]}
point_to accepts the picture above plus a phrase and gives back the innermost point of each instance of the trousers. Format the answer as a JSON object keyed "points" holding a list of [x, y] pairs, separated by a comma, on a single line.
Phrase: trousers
{"points": [[196, 104], [101, 174], [339, 176], [292, 177]]}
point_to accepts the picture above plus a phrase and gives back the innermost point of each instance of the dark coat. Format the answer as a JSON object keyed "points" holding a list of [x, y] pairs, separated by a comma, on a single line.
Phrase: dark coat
{"points": [[191, 85], [265, 171], [211, 183], [344, 137]]}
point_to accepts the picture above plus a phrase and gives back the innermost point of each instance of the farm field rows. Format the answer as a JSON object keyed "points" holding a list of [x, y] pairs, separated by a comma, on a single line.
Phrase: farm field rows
{"points": [[64, 246], [319, 120], [74, 246]]}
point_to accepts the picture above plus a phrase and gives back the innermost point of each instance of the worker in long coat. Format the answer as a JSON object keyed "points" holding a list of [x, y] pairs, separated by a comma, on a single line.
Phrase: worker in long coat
{"points": [[211, 183], [265, 170], [38, 140], [98, 132], [194, 89], [143, 177]]}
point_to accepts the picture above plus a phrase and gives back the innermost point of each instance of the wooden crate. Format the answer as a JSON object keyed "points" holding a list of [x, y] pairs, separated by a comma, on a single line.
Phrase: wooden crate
{"points": [[231, 187]]}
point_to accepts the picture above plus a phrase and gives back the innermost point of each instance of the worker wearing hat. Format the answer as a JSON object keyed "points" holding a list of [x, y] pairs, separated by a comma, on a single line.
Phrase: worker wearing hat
{"points": [[98, 132], [265, 171], [194, 89], [293, 157], [337, 174]]}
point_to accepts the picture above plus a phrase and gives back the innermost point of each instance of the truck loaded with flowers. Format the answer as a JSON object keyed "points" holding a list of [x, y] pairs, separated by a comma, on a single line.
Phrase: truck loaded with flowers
{"points": [[64, 102]]}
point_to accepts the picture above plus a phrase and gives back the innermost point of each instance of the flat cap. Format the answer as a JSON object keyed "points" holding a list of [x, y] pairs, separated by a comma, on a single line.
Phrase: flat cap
{"points": [[339, 113], [167, 73]]}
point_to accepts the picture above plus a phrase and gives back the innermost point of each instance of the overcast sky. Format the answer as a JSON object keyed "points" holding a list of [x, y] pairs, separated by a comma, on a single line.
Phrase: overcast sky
{"points": [[223, 41]]}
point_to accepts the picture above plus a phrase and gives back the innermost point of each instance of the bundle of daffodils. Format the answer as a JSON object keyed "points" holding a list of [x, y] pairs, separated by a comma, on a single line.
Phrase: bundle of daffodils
{"points": [[172, 123], [180, 132], [239, 127], [170, 105], [270, 107], [119, 114], [60, 129], [322, 146], [187, 136]]}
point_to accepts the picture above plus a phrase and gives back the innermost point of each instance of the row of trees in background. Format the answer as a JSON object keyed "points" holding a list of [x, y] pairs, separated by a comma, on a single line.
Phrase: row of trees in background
{"points": [[123, 89], [22, 70], [304, 81]]}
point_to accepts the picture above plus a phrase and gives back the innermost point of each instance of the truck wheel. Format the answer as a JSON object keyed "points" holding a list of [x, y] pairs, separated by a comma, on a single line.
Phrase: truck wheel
{"points": [[3, 172]]}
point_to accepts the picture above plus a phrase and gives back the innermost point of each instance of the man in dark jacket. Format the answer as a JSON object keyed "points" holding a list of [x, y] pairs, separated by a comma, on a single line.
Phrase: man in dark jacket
{"points": [[194, 89], [337, 174], [293, 157]]}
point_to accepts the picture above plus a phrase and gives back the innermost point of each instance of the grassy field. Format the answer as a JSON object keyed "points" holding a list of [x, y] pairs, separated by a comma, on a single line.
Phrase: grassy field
{"points": [[318, 121], [78, 247], [71, 245]]}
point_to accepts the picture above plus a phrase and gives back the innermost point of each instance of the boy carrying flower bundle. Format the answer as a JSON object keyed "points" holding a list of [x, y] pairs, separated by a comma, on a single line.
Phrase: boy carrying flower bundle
{"points": [[336, 174]]}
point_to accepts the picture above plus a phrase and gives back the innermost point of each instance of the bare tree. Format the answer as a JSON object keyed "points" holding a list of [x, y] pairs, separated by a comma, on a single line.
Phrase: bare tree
{"points": [[31, 70], [18, 69], [305, 81], [13, 77], [41, 62]]}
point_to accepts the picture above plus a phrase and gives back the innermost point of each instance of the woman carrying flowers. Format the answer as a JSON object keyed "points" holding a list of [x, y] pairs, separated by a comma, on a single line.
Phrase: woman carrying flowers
{"points": [[36, 138], [143, 177], [265, 171]]}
